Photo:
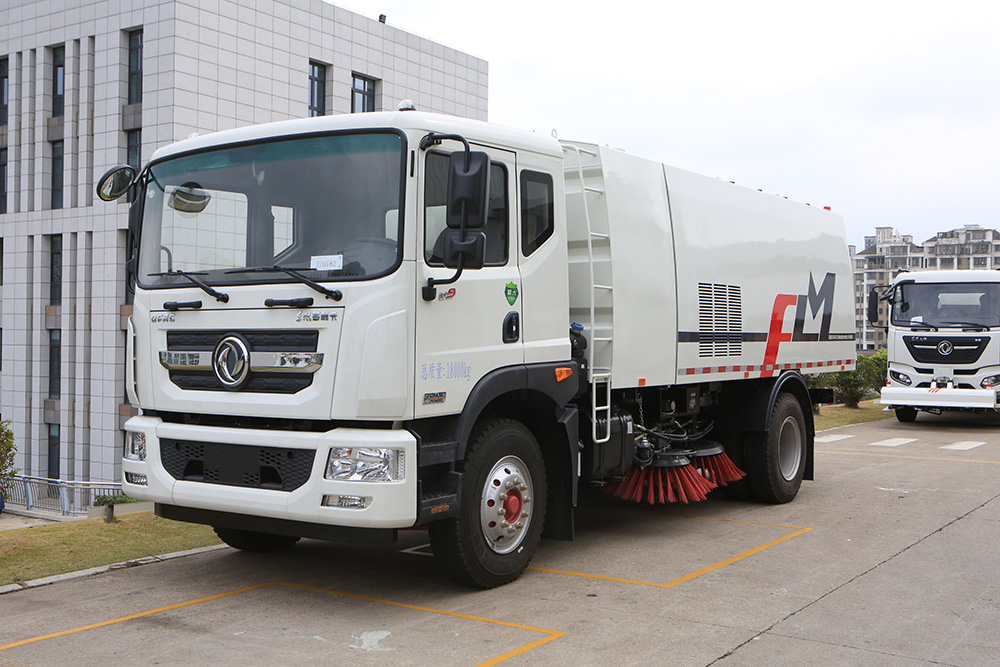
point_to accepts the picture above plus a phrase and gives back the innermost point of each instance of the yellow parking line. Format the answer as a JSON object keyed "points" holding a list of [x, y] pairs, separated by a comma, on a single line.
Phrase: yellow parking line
{"points": [[131, 617], [550, 634], [799, 530], [904, 456]]}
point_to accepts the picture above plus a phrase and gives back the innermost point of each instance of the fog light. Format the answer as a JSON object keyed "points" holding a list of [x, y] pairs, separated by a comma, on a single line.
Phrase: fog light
{"points": [[901, 378], [366, 464], [136, 478], [135, 446], [990, 382], [347, 502]]}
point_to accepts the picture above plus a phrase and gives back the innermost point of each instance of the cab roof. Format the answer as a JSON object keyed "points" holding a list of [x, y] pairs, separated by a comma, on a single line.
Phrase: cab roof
{"points": [[473, 130]]}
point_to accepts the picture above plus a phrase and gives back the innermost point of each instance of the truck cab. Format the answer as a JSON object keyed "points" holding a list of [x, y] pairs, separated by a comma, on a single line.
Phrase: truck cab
{"points": [[943, 350]]}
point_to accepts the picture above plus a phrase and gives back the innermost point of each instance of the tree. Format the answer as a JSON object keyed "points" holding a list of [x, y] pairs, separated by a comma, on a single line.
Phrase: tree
{"points": [[868, 375], [7, 451]]}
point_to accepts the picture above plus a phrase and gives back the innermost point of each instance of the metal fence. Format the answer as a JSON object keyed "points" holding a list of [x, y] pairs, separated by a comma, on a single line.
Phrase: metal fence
{"points": [[56, 495]]}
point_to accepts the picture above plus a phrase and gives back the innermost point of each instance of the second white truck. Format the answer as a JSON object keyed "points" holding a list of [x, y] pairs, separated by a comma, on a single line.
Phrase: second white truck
{"points": [[943, 347]]}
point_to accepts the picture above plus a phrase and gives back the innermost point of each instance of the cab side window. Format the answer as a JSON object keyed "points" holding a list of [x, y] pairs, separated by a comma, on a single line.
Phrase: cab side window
{"points": [[537, 210], [435, 196]]}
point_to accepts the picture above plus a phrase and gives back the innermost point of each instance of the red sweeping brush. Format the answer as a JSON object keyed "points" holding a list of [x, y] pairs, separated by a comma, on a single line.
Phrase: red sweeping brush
{"points": [[656, 484], [718, 468]]}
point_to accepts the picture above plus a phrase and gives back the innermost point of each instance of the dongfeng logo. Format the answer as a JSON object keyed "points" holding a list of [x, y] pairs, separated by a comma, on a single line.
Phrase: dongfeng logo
{"points": [[231, 361], [945, 348]]}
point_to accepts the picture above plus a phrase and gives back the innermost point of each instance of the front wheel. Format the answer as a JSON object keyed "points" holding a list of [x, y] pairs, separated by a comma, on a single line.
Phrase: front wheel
{"points": [[906, 414], [252, 541], [499, 524], [776, 462]]}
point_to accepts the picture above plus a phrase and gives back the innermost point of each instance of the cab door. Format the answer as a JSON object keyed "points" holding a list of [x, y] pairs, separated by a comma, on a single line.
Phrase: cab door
{"points": [[471, 326]]}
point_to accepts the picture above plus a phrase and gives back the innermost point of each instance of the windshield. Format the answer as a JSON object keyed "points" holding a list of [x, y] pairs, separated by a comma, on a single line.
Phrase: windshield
{"points": [[944, 304], [326, 207]]}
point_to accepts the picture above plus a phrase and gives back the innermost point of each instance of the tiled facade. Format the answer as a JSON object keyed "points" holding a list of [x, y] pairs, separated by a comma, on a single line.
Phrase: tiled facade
{"points": [[206, 65]]}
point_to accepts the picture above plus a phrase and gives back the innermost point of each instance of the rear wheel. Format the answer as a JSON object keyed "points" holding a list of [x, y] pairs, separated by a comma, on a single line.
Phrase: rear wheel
{"points": [[776, 461], [499, 524], [248, 540], [906, 414]]}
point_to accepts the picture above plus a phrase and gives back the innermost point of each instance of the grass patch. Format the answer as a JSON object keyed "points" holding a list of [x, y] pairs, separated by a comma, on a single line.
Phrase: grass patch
{"points": [[43, 551], [831, 416]]}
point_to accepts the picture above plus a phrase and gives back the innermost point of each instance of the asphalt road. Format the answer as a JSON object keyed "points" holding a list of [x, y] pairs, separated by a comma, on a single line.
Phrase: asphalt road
{"points": [[889, 558]]}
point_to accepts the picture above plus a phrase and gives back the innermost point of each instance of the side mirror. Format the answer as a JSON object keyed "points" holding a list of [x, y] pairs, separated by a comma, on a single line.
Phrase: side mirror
{"points": [[468, 190], [873, 306], [189, 198], [469, 253], [115, 182]]}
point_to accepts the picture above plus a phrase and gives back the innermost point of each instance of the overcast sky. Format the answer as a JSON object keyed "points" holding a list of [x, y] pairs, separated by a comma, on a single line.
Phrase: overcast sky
{"points": [[889, 112]]}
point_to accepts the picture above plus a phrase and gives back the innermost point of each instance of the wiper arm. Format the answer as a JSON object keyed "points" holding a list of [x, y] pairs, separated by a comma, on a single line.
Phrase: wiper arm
{"points": [[919, 326], [190, 275], [969, 325], [335, 294]]}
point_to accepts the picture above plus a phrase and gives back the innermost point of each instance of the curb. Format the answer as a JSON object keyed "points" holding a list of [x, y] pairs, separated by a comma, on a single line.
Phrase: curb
{"points": [[46, 581]]}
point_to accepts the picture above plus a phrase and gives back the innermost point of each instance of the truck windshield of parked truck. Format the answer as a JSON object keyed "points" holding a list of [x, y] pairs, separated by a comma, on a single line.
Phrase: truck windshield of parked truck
{"points": [[965, 305], [323, 206]]}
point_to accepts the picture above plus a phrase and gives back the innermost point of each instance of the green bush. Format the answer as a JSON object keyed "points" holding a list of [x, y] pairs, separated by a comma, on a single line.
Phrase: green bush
{"points": [[868, 376], [7, 451], [120, 499]]}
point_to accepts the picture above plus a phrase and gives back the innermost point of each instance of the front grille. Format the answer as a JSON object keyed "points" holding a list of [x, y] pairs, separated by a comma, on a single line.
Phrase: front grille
{"points": [[261, 341], [291, 341], [965, 349], [277, 468]]}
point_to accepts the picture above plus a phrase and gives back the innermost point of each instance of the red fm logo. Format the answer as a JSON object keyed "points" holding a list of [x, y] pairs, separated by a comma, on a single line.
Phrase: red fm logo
{"points": [[814, 300]]}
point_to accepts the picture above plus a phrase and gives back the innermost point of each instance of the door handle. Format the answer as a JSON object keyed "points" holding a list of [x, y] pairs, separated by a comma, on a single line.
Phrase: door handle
{"points": [[512, 327]]}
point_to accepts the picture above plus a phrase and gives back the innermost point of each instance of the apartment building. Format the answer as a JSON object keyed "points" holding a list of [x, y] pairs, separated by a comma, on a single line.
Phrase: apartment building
{"points": [[88, 84]]}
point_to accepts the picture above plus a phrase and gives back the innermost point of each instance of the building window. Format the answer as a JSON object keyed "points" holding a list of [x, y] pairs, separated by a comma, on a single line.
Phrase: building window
{"points": [[4, 92], [362, 94], [135, 67], [133, 154], [3, 180], [317, 89], [55, 361], [55, 270], [58, 80], [57, 174], [53, 451]]}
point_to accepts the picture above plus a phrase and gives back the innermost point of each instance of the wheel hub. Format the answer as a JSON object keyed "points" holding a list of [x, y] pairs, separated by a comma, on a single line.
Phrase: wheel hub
{"points": [[789, 449], [504, 513]]}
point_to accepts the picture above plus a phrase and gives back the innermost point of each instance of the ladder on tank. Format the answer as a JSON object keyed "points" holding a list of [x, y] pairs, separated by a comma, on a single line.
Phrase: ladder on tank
{"points": [[599, 351]]}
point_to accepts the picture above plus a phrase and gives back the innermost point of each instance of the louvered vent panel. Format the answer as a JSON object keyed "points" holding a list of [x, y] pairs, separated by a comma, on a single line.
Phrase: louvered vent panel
{"points": [[720, 320]]}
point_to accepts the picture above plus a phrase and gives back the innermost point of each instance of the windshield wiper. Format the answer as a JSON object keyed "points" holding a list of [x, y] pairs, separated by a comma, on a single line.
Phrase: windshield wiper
{"points": [[335, 294], [190, 275], [919, 326], [968, 325]]}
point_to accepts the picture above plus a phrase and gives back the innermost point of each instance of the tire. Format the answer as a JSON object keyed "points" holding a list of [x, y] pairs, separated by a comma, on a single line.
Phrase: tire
{"points": [[776, 461], [906, 414], [254, 542], [499, 523]]}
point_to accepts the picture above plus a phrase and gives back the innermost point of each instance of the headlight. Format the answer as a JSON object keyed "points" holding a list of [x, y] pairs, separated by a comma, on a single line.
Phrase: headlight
{"points": [[901, 378], [135, 446], [365, 464], [990, 382]]}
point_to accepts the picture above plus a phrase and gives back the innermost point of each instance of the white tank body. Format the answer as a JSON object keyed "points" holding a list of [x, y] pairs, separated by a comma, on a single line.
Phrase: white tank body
{"points": [[697, 279]]}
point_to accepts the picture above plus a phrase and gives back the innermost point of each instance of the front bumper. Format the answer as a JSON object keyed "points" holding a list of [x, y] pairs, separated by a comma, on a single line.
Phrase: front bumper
{"points": [[392, 505], [942, 397]]}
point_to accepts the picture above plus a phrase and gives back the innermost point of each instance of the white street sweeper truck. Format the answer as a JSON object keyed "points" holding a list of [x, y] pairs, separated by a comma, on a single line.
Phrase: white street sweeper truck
{"points": [[346, 326], [943, 350]]}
